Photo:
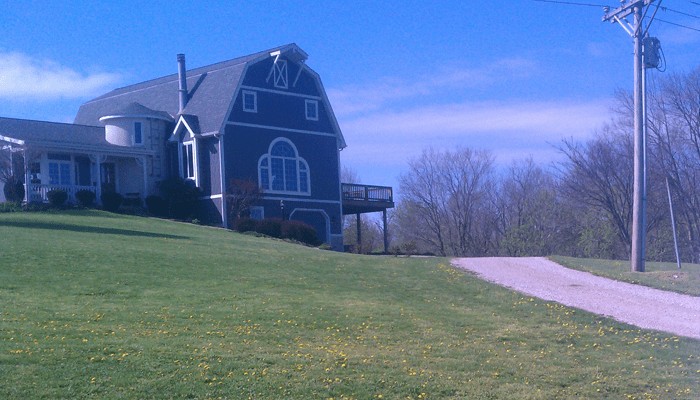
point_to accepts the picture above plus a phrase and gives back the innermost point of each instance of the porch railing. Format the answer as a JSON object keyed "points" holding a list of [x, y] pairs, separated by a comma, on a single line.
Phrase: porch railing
{"points": [[37, 192], [353, 191]]}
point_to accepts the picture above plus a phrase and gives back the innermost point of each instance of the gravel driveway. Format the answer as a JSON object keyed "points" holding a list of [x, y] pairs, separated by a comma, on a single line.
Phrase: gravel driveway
{"points": [[634, 304]]}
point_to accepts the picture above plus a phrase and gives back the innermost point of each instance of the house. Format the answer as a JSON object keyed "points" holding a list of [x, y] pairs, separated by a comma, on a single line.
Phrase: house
{"points": [[263, 118]]}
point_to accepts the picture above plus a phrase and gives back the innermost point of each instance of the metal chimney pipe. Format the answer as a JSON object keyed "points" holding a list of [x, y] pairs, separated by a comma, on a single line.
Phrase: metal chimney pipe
{"points": [[182, 77]]}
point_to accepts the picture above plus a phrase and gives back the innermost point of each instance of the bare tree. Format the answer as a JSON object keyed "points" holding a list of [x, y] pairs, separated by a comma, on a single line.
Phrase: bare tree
{"points": [[599, 174], [447, 199]]}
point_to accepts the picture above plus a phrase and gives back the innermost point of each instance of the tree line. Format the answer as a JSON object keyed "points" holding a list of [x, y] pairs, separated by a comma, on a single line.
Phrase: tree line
{"points": [[457, 203]]}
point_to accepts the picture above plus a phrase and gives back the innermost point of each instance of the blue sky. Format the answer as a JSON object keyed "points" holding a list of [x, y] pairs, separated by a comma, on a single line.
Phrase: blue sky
{"points": [[514, 77]]}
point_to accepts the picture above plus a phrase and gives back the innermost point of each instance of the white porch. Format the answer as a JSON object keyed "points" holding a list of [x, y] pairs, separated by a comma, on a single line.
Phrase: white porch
{"points": [[73, 172]]}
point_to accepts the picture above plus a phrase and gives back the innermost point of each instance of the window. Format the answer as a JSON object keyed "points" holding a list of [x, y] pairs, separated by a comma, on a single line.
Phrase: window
{"points": [[281, 170], [59, 173], [257, 213], [312, 110], [138, 136], [187, 160], [35, 173], [250, 101], [280, 71]]}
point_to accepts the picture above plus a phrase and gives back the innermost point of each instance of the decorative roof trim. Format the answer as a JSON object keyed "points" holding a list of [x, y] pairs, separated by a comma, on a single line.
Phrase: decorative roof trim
{"points": [[12, 140], [152, 116]]}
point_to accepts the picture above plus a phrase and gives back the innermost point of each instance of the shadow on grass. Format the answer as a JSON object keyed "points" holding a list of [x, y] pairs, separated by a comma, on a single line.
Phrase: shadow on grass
{"points": [[86, 229]]}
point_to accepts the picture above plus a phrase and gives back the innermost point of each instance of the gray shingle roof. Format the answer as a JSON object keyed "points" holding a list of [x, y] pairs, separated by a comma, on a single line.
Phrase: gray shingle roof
{"points": [[138, 109], [41, 131], [211, 91]]}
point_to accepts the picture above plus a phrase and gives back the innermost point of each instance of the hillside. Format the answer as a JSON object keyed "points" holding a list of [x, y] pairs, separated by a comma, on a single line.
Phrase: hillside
{"points": [[94, 304]]}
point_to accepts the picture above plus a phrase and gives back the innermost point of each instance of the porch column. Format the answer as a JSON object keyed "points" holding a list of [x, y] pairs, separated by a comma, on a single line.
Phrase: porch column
{"points": [[386, 234], [27, 177], [359, 234], [145, 179], [98, 165]]}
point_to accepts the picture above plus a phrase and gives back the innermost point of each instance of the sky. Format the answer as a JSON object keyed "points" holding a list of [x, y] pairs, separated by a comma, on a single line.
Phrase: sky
{"points": [[513, 77]]}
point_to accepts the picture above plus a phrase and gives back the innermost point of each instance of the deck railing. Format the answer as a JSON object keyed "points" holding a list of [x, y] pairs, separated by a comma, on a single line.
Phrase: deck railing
{"points": [[37, 192], [352, 191]]}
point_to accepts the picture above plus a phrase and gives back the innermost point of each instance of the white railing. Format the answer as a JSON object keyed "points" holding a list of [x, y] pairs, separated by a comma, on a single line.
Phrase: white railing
{"points": [[37, 193]]}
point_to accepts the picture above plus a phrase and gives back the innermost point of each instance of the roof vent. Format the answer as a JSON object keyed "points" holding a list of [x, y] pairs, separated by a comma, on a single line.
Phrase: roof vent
{"points": [[182, 77]]}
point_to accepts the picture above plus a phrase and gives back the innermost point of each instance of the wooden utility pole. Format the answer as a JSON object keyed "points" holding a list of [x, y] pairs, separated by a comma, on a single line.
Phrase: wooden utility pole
{"points": [[637, 8]]}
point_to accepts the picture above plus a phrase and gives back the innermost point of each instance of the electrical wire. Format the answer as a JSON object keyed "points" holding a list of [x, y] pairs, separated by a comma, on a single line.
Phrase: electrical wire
{"points": [[682, 26], [679, 12], [572, 3], [693, 2]]}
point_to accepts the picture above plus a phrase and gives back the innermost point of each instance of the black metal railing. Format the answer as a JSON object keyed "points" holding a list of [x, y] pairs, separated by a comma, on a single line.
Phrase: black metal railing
{"points": [[357, 192]]}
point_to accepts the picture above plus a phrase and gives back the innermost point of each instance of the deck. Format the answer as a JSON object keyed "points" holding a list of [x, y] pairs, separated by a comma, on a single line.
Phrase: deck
{"points": [[360, 199]]}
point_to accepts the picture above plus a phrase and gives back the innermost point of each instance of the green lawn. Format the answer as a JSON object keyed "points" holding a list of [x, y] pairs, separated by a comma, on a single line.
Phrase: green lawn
{"points": [[102, 305], [664, 276]]}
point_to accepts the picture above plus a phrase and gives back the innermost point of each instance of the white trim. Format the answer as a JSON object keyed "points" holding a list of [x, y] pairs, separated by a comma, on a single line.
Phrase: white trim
{"points": [[153, 116], [308, 102], [281, 75], [222, 177], [301, 199], [11, 140], [259, 89], [255, 101], [212, 197], [277, 128], [299, 162], [322, 212]]}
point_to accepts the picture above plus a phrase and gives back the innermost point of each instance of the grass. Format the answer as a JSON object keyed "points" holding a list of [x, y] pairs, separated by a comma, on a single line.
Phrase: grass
{"points": [[665, 276], [101, 305]]}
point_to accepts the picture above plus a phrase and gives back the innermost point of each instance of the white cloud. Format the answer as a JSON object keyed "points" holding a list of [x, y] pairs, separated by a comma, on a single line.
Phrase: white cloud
{"points": [[354, 100], [382, 143], [26, 78]]}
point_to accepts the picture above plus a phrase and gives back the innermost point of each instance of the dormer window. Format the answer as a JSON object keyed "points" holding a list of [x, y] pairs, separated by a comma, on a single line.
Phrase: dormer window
{"points": [[250, 101], [138, 134], [312, 110]]}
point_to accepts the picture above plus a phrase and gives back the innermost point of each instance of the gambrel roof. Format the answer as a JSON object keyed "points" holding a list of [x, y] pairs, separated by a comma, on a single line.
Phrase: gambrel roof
{"points": [[211, 92]]}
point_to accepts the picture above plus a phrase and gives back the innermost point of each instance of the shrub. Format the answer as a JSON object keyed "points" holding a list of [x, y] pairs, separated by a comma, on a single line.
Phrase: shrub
{"points": [[14, 189], [244, 225], [111, 200], [157, 206], [299, 231], [181, 196], [270, 227], [57, 197], [85, 197]]}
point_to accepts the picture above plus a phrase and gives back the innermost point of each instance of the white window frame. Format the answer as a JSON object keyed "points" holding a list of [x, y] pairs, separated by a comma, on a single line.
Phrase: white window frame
{"points": [[268, 170], [140, 132], [309, 106], [184, 163], [246, 106]]}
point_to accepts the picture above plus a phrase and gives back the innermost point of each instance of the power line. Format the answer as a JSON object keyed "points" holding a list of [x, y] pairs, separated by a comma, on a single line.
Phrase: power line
{"points": [[679, 12], [693, 2], [679, 25], [572, 3]]}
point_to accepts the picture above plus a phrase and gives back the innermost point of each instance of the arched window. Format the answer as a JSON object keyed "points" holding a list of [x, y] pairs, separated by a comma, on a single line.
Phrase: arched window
{"points": [[281, 170]]}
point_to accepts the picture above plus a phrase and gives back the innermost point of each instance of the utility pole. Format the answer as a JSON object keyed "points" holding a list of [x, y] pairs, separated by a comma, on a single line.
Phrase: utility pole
{"points": [[637, 8]]}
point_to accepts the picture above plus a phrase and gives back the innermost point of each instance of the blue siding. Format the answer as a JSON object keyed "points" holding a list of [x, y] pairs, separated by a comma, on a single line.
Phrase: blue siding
{"points": [[245, 146], [282, 113]]}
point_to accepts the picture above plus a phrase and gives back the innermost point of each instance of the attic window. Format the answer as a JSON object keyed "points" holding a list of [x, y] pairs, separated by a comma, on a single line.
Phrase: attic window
{"points": [[280, 73], [250, 101], [312, 110]]}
